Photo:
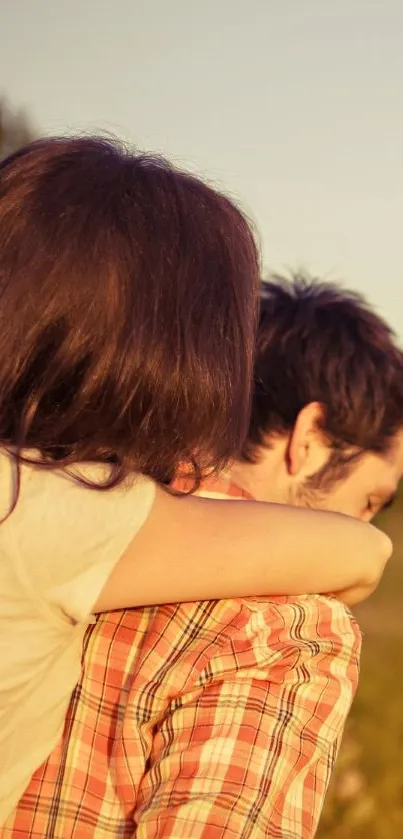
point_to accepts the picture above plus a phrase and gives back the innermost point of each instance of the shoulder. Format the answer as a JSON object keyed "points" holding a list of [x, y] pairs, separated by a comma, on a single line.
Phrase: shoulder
{"points": [[281, 635], [277, 640], [65, 536]]}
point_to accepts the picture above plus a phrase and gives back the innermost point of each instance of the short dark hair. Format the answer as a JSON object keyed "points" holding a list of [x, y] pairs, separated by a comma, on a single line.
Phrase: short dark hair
{"points": [[317, 342], [128, 299]]}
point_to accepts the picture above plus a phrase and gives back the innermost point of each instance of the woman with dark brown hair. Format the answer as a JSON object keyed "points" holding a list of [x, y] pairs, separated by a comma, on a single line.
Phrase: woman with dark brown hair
{"points": [[127, 311]]}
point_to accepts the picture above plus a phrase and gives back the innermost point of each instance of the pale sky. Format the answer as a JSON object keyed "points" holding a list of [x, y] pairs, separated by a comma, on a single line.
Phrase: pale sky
{"points": [[293, 106]]}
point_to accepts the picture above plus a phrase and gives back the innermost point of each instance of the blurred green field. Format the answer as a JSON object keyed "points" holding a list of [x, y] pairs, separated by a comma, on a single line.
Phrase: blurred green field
{"points": [[365, 800]]}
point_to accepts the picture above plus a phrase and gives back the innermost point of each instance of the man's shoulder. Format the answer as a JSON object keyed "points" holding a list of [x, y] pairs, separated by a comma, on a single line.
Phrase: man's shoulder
{"points": [[276, 639], [322, 617]]}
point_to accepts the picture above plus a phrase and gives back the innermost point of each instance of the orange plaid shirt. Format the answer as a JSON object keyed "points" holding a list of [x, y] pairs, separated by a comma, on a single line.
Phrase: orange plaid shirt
{"points": [[200, 721]]}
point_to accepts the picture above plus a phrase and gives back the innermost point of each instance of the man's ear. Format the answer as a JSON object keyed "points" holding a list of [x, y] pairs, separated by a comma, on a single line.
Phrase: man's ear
{"points": [[307, 450]]}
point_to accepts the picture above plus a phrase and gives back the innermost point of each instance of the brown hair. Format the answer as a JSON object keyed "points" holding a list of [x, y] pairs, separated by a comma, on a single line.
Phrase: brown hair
{"points": [[320, 343], [127, 305]]}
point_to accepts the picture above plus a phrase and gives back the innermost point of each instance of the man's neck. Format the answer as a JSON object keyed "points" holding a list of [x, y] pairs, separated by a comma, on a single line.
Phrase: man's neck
{"points": [[266, 479], [239, 474]]}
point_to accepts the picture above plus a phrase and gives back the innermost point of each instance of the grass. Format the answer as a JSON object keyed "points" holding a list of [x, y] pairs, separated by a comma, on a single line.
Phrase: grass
{"points": [[365, 800]]}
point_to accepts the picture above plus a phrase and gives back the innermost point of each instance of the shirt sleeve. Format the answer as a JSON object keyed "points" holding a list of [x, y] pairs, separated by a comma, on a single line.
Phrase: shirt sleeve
{"points": [[248, 751], [67, 538]]}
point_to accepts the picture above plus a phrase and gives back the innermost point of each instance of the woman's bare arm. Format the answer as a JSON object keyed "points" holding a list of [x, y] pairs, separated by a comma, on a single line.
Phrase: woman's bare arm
{"points": [[195, 549]]}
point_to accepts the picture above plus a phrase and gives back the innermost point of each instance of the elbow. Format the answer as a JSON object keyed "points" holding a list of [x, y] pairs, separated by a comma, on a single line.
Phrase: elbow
{"points": [[381, 556]]}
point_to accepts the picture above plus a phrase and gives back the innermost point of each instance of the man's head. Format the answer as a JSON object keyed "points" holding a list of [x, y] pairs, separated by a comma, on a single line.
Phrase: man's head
{"points": [[327, 416]]}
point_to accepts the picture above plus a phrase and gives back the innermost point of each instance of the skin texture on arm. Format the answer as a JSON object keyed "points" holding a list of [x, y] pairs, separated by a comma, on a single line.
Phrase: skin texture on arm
{"points": [[195, 548], [246, 748]]}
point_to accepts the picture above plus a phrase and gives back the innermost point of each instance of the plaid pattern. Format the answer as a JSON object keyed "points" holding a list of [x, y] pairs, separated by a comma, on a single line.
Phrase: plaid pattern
{"points": [[200, 721]]}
